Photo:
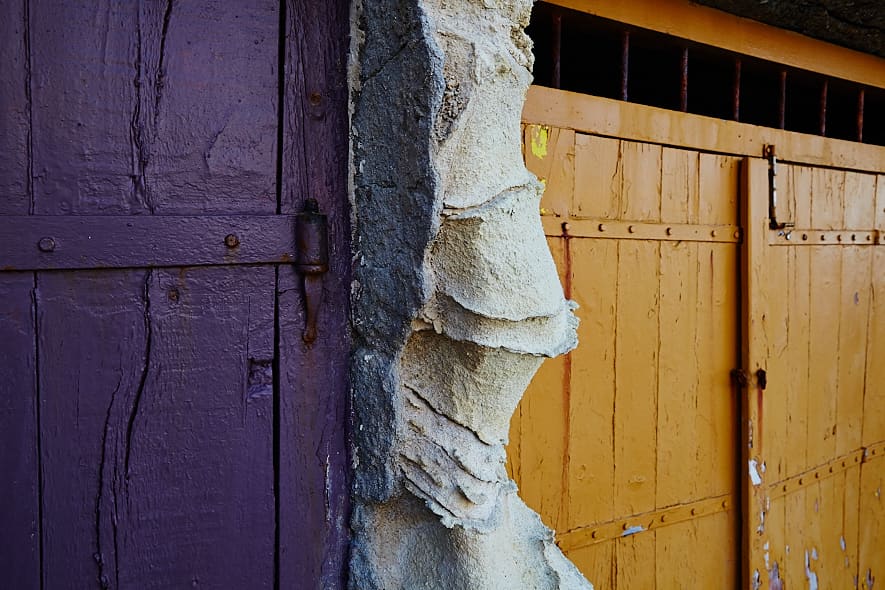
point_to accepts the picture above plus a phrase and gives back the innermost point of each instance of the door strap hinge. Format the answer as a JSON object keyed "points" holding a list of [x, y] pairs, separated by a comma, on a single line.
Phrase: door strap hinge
{"points": [[311, 262]]}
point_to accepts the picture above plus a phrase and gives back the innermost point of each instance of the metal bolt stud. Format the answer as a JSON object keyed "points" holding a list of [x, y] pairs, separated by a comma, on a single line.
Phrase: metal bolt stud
{"points": [[231, 240], [46, 244]]}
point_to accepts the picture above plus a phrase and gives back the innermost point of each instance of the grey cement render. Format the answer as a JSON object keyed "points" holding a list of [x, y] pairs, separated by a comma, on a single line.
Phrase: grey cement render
{"points": [[456, 300]]}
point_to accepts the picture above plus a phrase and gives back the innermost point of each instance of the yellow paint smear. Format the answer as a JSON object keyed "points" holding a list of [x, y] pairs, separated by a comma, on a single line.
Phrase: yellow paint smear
{"points": [[540, 135]]}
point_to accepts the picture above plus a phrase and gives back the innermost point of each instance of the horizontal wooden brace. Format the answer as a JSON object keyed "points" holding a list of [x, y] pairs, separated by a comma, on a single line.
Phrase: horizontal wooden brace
{"points": [[834, 467], [138, 241], [608, 531], [636, 230], [825, 237]]}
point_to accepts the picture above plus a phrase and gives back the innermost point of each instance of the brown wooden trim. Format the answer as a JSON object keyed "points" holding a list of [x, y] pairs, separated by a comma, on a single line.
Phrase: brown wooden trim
{"points": [[701, 24], [613, 118]]}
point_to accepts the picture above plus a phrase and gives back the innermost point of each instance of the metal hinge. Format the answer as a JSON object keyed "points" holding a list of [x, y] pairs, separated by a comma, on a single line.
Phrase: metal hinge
{"points": [[741, 378], [312, 262]]}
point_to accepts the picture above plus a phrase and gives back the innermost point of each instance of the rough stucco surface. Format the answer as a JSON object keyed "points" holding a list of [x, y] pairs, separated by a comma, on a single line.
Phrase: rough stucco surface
{"points": [[456, 299]]}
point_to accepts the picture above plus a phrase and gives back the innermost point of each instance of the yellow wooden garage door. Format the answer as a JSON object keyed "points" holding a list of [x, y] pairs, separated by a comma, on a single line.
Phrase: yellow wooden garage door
{"points": [[815, 343], [627, 445], [722, 422]]}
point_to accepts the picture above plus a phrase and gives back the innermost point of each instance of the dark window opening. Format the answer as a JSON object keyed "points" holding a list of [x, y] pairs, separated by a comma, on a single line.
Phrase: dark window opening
{"points": [[583, 53]]}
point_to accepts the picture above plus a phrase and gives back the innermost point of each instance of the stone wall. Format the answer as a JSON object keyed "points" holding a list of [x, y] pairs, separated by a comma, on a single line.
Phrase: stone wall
{"points": [[456, 300]]}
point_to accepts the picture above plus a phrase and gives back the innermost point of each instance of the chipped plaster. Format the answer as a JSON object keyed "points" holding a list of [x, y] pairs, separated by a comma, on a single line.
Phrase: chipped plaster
{"points": [[456, 298]]}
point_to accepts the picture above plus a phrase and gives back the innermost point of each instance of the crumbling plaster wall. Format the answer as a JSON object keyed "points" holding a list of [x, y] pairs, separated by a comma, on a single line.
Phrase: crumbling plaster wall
{"points": [[456, 300]]}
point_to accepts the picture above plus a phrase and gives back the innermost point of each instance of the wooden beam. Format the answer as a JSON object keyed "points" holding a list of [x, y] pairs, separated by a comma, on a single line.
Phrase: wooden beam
{"points": [[709, 26]]}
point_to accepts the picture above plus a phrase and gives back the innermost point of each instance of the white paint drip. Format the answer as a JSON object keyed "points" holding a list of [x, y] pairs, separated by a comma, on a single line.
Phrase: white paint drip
{"points": [[633, 530], [812, 577], [754, 473]]}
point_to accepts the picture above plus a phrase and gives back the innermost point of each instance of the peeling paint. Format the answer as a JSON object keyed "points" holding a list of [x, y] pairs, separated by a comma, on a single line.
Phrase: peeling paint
{"points": [[812, 577], [755, 478], [774, 578], [757, 580], [870, 580], [633, 530], [842, 543]]}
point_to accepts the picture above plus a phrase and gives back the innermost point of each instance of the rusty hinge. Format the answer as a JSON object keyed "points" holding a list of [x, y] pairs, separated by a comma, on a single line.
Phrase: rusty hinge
{"points": [[312, 262], [741, 378]]}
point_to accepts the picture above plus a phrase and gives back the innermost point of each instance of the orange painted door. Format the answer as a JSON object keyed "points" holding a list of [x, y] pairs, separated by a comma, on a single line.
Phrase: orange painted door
{"points": [[628, 446], [815, 357]]}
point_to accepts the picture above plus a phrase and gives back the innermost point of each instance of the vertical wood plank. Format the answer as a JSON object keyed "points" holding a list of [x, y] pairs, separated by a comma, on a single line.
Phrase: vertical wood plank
{"points": [[599, 177], [635, 564], [676, 558], [795, 540], [851, 520], [19, 459], [872, 524], [597, 563], [163, 379], [680, 188], [641, 193], [678, 442], [544, 434], [15, 88], [799, 183], [313, 486], [826, 275], [550, 154], [19, 446], [874, 390], [636, 378], [591, 468], [754, 220], [718, 180], [859, 199]]}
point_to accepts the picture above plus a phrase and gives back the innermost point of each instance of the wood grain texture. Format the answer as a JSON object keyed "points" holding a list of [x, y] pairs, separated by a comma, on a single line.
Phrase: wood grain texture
{"points": [[183, 119], [624, 120], [19, 425], [19, 444], [163, 379], [544, 433], [720, 29], [592, 464], [313, 480], [550, 155]]}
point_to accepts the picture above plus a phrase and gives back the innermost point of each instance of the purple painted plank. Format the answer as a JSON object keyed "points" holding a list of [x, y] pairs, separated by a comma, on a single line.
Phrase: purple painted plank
{"points": [[39, 242], [14, 109], [19, 485], [313, 484], [157, 428], [19, 456], [150, 107]]}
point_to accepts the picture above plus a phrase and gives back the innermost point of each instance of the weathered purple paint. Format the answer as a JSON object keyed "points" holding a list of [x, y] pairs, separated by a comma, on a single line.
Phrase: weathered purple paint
{"points": [[120, 241], [169, 427], [314, 490]]}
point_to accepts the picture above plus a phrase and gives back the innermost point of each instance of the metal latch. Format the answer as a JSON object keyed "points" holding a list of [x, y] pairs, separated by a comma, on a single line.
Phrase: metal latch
{"points": [[773, 223], [312, 262]]}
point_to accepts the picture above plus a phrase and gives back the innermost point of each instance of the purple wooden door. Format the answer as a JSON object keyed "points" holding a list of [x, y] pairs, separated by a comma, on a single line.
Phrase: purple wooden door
{"points": [[162, 422]]}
